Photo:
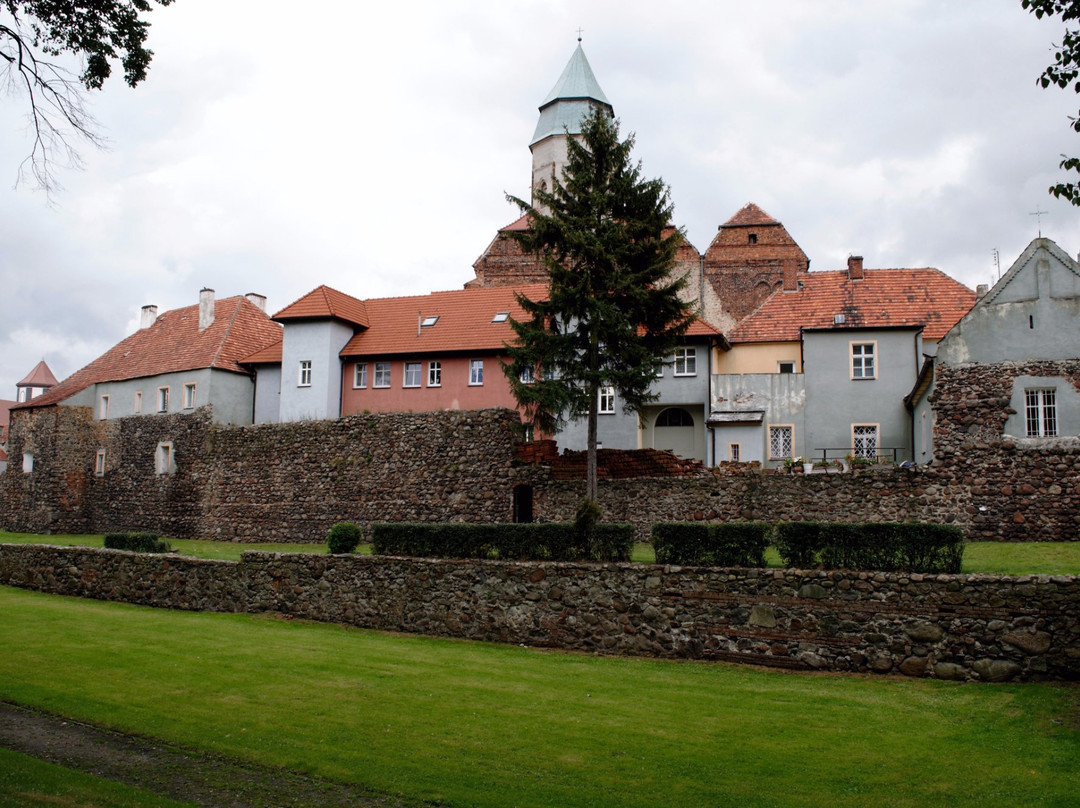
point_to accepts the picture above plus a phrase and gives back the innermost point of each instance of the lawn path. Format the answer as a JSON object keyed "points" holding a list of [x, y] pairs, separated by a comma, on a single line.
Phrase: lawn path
{"points": [[210, 781]]}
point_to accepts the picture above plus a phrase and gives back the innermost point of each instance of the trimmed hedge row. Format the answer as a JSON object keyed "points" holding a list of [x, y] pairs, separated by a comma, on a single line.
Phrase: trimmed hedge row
{"points": [[880, 546], [546, 541], [137, 542], [729, 544]]}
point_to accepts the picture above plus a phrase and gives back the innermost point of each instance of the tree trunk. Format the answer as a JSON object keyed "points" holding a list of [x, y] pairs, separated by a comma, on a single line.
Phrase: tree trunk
{"points": [[590, 454]]}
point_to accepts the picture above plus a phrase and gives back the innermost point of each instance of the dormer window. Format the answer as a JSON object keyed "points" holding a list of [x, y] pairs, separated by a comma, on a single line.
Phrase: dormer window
{"points": [[429, 321], [501, 317]]}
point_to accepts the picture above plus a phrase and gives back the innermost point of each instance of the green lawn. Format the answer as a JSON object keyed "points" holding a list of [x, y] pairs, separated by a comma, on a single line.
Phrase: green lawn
{"points": [[488, 725], [1047, 558]]}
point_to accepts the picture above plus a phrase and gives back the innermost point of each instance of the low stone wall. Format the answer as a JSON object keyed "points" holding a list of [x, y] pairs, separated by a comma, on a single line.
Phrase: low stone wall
{"points": [[983, 628]]}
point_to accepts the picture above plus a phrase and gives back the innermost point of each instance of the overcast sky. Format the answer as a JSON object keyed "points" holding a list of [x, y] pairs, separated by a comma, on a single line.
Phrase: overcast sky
{"points": [[369, 146]]}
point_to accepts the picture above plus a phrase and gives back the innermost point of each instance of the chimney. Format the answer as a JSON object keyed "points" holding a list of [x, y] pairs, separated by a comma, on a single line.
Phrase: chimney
{"points": [[149, 315], [981, 290], [854, 267], [791, 275], [258, 300], [206, 308]]}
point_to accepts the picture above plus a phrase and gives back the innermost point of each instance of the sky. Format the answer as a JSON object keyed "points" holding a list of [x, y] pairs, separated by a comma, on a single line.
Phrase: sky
{"points": [[369, 146]]}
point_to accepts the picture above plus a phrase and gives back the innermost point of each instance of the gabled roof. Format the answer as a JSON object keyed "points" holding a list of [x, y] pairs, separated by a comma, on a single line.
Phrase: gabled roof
{"points": [[465, 321], [174, 343], [1022, 262], [40, 376], [884, 298], [750, 215], [324, 302]]}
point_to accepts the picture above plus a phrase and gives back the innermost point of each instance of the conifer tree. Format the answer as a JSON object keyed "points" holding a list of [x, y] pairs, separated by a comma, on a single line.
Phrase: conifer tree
{"points": [[613, 311]]}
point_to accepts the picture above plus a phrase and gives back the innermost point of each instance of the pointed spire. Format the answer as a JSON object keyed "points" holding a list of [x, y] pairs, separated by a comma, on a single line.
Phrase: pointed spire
{"points": [[570, 100]]}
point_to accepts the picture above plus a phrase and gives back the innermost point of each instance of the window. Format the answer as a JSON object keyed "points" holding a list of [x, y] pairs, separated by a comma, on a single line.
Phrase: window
{"points": [[412, 375], [781, 442], [137, 407], [864, 440], [1040, 412], [862, 360], [476, 371], [99, 463], [27, 462], [164, 461], [305, 373], [429, 321], [189, 396], [360, 375], [501, 317], [528, 433], [685, 361], [734, 452], [382, 374], [606, 404], [753, 238], [163, 399], [785, 367], [528, 376], [675, 416], [103, 408]]}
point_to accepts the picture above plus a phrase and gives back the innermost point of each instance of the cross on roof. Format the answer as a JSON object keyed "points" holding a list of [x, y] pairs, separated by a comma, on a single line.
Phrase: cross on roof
{"points": [[1040, 214], [579, 33]]}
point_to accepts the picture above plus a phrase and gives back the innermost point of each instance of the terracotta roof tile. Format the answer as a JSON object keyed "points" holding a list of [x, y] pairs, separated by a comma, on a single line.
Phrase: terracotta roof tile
{"points": [[40, 376], [270, 355], [174, 343], [884, 298], [325, 302], [750, 215]]}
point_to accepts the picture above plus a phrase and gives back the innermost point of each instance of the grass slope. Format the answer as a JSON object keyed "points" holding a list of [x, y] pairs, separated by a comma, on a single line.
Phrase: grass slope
{"points": [[486, 725]]}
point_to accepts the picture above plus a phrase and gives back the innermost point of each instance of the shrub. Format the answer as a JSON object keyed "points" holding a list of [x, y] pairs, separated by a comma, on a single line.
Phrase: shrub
{"points": [[549, 541], [137, 542], [343, 537], [881, 546], [730, 544]]}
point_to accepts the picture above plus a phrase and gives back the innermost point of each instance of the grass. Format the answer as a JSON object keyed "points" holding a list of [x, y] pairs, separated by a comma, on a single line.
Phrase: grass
{"points": [[487, 725], [29, 783], [1003, 558]]}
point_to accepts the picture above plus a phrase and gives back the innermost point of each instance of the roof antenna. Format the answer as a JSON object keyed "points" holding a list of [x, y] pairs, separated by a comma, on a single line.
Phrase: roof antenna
{"points": [[997, 262], [1040, 214]]}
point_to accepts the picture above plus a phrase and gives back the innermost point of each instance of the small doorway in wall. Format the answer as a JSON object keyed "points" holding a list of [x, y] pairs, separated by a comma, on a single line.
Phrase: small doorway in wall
{"points": [[523, 503], [674, 429]]}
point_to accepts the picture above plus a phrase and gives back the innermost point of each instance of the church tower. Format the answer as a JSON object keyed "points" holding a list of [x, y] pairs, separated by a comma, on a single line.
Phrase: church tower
{"points": [[570, 101]]}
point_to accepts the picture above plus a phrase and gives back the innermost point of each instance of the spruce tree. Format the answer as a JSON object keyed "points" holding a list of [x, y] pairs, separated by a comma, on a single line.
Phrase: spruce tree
{"points": [[613, 311]]}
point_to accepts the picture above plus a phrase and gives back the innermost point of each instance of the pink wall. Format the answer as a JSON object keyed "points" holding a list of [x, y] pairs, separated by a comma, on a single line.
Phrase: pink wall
{"points": [[454, 393]]}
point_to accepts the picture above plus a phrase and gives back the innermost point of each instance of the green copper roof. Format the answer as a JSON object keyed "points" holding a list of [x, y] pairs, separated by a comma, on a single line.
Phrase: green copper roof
{"points": [[570, 100]]}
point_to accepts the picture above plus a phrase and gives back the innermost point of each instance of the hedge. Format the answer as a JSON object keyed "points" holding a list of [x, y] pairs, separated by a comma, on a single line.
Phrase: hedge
{"points": [[879, 546], [344, 537], [137, 542], [548, 541], [728, 544]]}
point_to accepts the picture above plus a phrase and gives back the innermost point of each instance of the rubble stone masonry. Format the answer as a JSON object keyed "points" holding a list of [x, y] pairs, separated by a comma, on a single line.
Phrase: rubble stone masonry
{"points": [[962, 627]]}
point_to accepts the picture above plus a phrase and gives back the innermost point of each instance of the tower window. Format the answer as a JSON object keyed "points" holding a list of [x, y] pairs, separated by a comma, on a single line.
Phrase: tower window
{"points": [[753, 238]]}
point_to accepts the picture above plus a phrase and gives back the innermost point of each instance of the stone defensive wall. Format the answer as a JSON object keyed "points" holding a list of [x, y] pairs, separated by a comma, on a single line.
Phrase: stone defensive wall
{"points": [[960, 627]]}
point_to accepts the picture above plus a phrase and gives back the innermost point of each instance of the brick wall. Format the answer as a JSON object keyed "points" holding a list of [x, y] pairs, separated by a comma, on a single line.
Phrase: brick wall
{"points": [[982, 628]]}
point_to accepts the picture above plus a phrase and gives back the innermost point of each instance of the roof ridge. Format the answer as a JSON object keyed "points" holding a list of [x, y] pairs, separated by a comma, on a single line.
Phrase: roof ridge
{"points": [[225, 336]]}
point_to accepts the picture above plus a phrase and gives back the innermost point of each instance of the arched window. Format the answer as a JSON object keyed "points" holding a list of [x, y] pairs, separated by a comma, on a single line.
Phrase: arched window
{"points": [[675, 416]]}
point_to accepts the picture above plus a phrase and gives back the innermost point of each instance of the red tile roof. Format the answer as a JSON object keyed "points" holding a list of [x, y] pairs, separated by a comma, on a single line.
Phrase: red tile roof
{"points": [[750, 215], [323, 302], [40, 376], [520, 224], [884, 298], [174, 343], [270, 355]]}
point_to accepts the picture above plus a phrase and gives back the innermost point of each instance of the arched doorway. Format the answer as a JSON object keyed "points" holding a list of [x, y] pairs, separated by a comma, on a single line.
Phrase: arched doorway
{"points": [[674, 429]]}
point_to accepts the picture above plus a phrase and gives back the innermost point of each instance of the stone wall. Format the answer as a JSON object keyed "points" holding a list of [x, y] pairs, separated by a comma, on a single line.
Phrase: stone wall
{"points": [[982, 628]]}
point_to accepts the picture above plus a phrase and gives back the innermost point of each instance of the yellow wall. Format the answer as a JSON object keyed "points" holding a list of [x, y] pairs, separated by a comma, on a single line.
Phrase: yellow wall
{"points": [[757, 357]]}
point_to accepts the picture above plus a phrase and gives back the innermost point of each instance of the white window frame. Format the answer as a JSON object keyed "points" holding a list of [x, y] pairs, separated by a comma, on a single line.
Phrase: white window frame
{"points": [[476, 372], [28, 462], [359, 381], [605, 400], [734, 452], [381, 379], [191, 395], [780, 366], [99, 463], [1040, 412], [434, 373], [527, 376], [861, 435], [863, 362], [164, 458], [163, 399], [775, 448], [137, 405], [303, 376], [411, 374], [686, 361], [103, 408]]}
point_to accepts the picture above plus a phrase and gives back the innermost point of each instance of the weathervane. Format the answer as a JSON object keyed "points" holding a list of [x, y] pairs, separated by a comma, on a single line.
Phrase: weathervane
{"points": [[1040, 214]]}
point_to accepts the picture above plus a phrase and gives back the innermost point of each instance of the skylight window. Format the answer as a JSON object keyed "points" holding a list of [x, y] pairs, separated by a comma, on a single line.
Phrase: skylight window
{"points": [[429, 321], [501, 317]]}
